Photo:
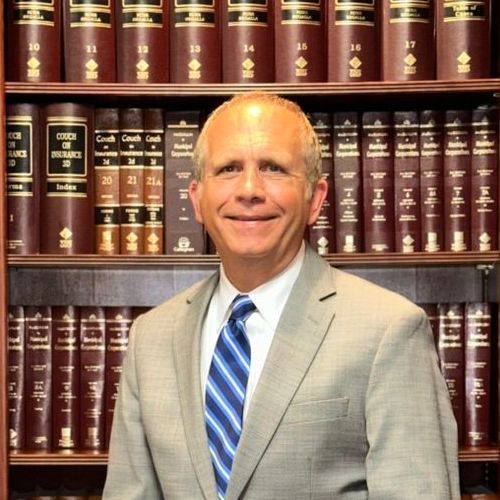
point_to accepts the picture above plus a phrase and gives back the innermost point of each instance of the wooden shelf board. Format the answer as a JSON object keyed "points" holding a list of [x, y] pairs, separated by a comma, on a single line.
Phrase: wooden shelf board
{"points": [[58, 458]]}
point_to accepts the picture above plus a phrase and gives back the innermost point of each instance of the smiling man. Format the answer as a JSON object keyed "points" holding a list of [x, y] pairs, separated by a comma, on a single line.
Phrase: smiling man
{"points": [[278, 377]]}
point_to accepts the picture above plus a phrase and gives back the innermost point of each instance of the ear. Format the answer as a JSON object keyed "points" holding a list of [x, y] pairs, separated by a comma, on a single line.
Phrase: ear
{"points": [[195, 195], [317, 198]]}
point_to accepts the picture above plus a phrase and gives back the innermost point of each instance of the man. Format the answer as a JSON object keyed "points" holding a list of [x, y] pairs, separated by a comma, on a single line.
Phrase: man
{"points": [[278, 377]]}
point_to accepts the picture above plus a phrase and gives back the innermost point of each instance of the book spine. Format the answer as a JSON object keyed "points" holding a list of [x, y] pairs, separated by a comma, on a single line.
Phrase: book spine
{"points": [[378, 185], [154, 171], [463, 31], [451, 357], [247, 41], [38, 378], [67, 191], [89, 41], [107, 181], [347, 182], [16, 378], [321, 233], [299, 41], [92, 377], [118, 323], [65, 377], [23, 179], [142, 41], [183, 235], [131, 181], [33, 41], [408, 40], [352, 41], [477, 373], [484, 179], [195, 49], [456, 172], [406, 181], [431, 180]]}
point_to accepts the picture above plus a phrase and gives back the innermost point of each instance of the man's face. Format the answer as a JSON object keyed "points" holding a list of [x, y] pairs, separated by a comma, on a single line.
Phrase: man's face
{"points": [[253, 198]]}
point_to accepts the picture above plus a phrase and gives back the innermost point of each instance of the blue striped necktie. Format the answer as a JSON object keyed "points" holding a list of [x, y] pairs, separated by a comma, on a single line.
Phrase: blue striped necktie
{"points": [[225, 393]]}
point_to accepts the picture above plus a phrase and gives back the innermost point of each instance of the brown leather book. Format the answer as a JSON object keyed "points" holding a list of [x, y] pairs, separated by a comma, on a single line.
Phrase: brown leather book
{"points": [[142, 41], [431, 180], [23, 178], [353, 52], [89, 41], [431, 309], [195, 48], [65, 377], [484, 179], [107, 181], [38, 377], [322, 233], [463, 45], [300, 41], [247, 41], [131, 181], [408, 51], [92, 377], [378, 182], [67, 187], [347, 182], [183, 235], [118, 323], [477, 373], [451, 348], [154, 171], [406, 181], [33, 49], [456, 172], [16, 377]]}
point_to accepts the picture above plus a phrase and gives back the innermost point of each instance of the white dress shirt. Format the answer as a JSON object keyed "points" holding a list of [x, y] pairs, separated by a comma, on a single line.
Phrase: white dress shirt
{"points": [[270, 299]]}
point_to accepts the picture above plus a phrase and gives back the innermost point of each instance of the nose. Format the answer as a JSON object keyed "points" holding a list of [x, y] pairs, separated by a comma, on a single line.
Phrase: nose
{"points": [[251, 185]]}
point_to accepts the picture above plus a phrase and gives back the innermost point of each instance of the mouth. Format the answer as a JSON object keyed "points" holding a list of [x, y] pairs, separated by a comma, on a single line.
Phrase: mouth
{"points": [[251, 218]]}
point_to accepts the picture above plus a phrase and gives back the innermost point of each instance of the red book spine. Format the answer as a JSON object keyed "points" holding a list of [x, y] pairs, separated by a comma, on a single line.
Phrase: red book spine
{"points": [[352, 41], [23, 178], [142, 41], [33, 41], [89, 41], [195, 48], [299, 41]]}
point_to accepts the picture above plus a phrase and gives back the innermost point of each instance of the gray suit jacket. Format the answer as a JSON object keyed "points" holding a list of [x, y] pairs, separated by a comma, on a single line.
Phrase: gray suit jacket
{"points": [[350, 404]]}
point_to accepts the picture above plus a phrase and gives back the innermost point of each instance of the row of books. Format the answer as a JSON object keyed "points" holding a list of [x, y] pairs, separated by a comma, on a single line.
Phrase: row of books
{"points": [[248, 41], [54, 495]]}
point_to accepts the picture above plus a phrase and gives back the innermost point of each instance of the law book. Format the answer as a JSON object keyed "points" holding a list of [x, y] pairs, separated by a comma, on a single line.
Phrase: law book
{"points": [[92, 377], [131, 181], [33, 48], [107, 181], [16, 395], [65, 377], [247, 41], [154, 172], [183, 235], [484, 178], [451, 347], [431, 180], [195, 43], [347, 173], [142, 46], [456, 172], [407, 44], [89, 41], [118, 323], [463, 39], [23, 178], [378, 181], [478, 344], [67, 189], [38, 362], [299, 41], [432, 312], [352, 41], [406, 181]]}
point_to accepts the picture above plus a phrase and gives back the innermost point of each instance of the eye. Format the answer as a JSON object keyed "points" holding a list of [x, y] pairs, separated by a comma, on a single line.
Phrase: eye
{"points": [[227, 169], [272, 168]]}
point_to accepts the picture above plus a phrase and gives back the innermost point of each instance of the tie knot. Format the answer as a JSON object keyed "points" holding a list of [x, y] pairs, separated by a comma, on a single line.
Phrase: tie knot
{"points": [[241, 308]]}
